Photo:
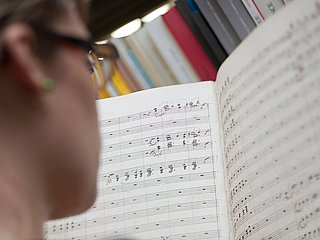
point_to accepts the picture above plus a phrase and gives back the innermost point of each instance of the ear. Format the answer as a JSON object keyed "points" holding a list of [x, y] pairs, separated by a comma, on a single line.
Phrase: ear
{"points": [[22, 62]]}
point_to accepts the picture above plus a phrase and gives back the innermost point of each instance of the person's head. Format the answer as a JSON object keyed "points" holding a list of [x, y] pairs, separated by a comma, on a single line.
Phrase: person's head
{"points": [[47, 102]]}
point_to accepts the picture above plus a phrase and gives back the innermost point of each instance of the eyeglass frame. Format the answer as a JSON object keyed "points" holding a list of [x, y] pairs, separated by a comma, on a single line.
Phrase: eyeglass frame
{"points": [[85, 44], [82, 43]]}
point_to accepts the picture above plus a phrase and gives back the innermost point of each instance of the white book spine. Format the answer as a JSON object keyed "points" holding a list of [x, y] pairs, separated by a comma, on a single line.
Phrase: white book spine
{"points": [[171, 52], [268, 7], [152, 53], [253, 11]]}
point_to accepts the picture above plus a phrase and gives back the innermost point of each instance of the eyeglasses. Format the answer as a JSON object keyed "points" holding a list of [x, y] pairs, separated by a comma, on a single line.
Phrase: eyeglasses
{"points": [[95, 69], [85, 44]]}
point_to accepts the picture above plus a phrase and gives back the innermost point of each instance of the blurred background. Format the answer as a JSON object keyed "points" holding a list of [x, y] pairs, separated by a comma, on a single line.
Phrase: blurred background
{"points": [[145, 44]]}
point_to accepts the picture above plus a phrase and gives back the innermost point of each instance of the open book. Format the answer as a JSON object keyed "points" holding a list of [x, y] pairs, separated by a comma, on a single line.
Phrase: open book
{"points": [[235, 159]]}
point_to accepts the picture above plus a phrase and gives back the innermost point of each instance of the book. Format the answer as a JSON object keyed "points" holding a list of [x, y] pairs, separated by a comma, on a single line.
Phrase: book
{"points": [[268, 7], [253, 11], [238, 16], [170, 51], [152, 53], [111, 89], [128, 56], [119, 82], [129, 78], [118, 78], [234, 159], [145, 63], [219, 24], [141, 45], [201, 30], [114, 81], [190, 45]]}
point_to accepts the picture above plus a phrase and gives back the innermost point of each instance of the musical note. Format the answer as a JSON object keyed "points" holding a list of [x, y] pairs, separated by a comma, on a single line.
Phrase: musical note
{"points": [[167, 145], [270, 115]]}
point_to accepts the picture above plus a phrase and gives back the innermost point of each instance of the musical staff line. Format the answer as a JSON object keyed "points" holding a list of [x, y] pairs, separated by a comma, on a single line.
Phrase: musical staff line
{"points": [[157, 139], [299, 146], [117, 203], [144, 171], [269, 133], [157, 152], [156, 112], [126, 187], [155, 126], [298, 205]]}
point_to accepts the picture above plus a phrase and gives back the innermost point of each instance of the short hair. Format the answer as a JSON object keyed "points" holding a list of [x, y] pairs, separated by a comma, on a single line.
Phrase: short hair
{"points": [[38, 11]]}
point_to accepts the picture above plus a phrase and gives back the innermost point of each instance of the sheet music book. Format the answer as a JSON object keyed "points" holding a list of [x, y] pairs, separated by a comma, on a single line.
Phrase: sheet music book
{"points": [[235, 159]]}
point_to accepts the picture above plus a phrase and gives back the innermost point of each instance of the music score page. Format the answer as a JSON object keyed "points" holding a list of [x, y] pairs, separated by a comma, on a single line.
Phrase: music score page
{"points": [[161, 173], [269, 96]]}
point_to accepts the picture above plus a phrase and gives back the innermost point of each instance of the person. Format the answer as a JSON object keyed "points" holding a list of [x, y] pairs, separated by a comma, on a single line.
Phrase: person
{"points": [[49, 141]]}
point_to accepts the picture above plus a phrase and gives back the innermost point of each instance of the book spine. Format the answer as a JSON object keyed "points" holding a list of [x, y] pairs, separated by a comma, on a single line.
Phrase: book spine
{"points": [[253, 11], [100, 86], [145, 76], [119, 82], [130, 80], [268, 7], [133, 63], [145, 62], [112, 76], [189, 18], [189, 44], [206, 31], [238, 17], [219, 24], [112, 90], [151, 51], [171, 52]]}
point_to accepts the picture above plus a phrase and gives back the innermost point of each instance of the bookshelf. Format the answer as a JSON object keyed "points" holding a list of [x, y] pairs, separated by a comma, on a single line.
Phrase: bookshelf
{"points": [[159, 53]]}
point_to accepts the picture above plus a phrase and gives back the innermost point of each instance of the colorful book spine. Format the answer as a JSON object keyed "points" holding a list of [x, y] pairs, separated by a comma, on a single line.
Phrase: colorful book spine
{"points": [[133, 64], [171, 52], [129, 78], [198, 25], [112, 90], [145, 77], [151, 52], [151, 70], [119, 82], [189, 44], [113, 77]]}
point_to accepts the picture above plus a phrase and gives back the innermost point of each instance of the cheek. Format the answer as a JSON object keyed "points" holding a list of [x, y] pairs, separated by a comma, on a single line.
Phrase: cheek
{"points": [[79, 157], [74, 81], [76, 124], [72, 161]]}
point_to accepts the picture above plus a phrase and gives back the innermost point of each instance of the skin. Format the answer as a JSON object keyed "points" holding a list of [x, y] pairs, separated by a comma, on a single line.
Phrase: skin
{"points": [[49, 142]]}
